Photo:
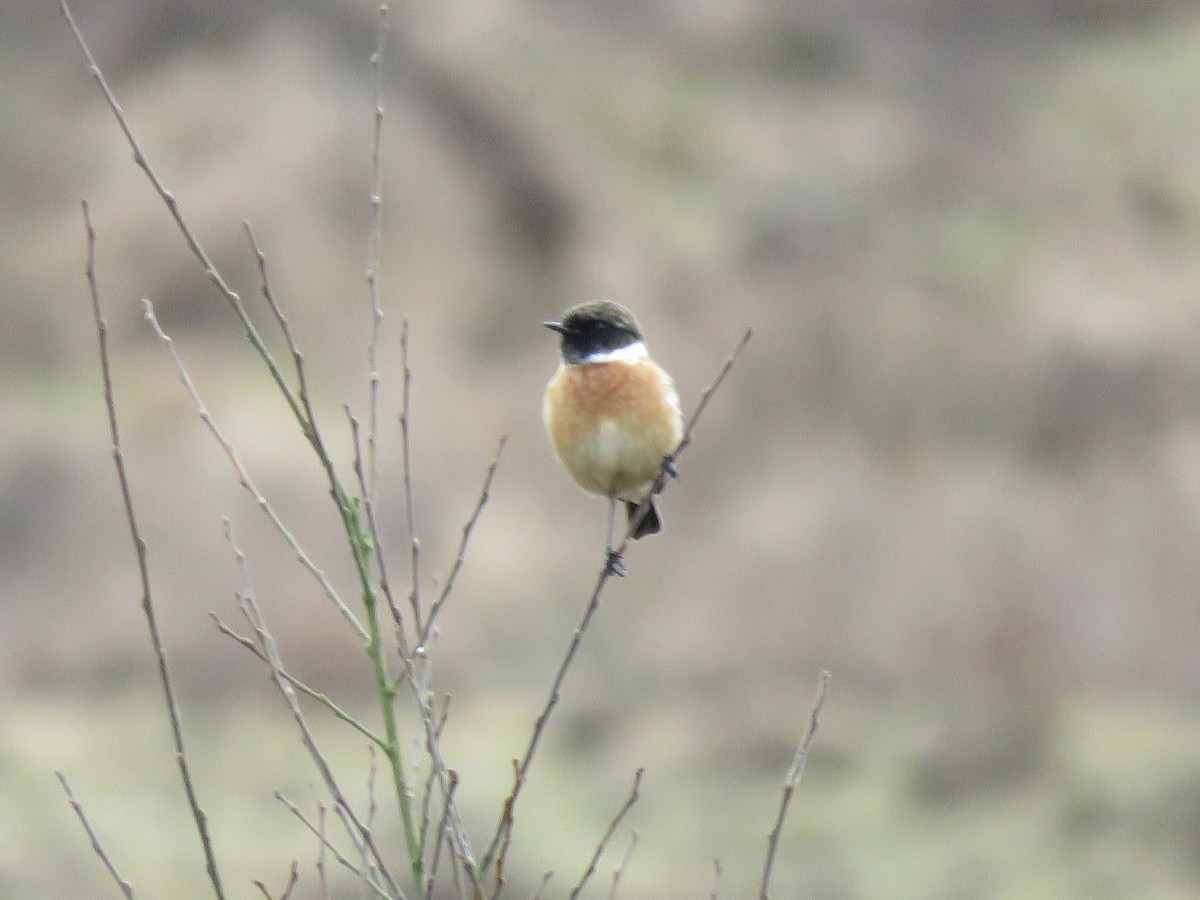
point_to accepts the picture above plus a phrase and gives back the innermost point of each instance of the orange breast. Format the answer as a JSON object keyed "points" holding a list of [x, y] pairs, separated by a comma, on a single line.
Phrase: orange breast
{"points": [[611, 423]]}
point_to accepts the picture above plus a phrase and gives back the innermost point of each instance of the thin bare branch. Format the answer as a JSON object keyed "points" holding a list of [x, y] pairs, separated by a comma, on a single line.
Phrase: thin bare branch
{"points": [[189, 236], [504, 828], [445, 776], [434, 864], [612, 829], [253, 647], [716, 880], [350, 826], [373, 253], [293, 880], [537, 895], [443, 832], [301, 404], [322, 875], [484, 496], [792, 779], [619, 871], [668, 466], [707, 393], [506, 819], [593, 605], [324, 699], [244, 477], [358, 830], [427, 794], [302, 410], [125, 886], [143, 565], [318, 831], [372, 772], [456, 873], [282, 321], [410, 515], [299, 408]]}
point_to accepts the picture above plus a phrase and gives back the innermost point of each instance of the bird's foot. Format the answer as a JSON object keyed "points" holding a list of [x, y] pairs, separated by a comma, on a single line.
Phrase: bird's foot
{"points": [[668, 466], [614, 564]]}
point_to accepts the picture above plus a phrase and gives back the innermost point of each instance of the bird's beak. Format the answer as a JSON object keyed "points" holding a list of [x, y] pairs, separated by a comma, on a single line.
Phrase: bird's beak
{"points": [[555, 326]]}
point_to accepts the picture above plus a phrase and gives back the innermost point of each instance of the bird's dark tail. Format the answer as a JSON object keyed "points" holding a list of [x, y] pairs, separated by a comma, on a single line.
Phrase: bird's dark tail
{"points": [[650, 524]]}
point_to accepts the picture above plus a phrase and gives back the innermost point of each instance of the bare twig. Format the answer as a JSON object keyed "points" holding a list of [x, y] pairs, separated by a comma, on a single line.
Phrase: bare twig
{"points": [[372, 772], [284, 327], [322, 875], [416, 669], [301, 409], [668, 466], [143, 567], [612, 829], [507, 819], [125, 886], [537, 895], [706, 395], [484, 496], [410, 515], [431, 875], [351, 827], [790, 782], [504, 828], [359, 831], [299, 685], [244, 477], [189, 236], [427, 795], [365, 546], [373, 252], [293, 879], [452, 824], [375, 867], [318, 831], [456, 871], [716, 880], [619, 871], [606, 571], [443, 830]]}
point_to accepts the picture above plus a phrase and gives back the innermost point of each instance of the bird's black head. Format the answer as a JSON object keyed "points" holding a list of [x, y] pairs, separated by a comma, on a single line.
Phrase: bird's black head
{"points": [[597, 326]]}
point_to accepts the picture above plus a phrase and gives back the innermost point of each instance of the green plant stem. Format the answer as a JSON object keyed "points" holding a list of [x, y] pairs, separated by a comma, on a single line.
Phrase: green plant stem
{"points": [[361, 545]]}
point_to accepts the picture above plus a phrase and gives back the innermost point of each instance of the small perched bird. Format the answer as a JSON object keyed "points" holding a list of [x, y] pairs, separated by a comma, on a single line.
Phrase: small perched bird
{"points": [[612, 413]]}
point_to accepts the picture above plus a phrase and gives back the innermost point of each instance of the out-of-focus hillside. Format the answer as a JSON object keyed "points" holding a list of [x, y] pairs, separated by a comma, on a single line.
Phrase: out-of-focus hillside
{"points": [[964, 241], [959, 464]]}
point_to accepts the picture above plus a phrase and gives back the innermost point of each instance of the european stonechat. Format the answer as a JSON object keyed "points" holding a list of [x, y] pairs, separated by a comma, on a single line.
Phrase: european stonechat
{"points": [[612, 413]]}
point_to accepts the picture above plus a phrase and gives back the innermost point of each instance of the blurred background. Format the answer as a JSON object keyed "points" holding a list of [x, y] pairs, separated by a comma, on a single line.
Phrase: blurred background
{"points": [[959, 464]]}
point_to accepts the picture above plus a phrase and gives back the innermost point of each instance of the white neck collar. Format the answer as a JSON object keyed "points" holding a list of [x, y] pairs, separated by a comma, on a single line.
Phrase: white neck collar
{"points": [[635, 352]]}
